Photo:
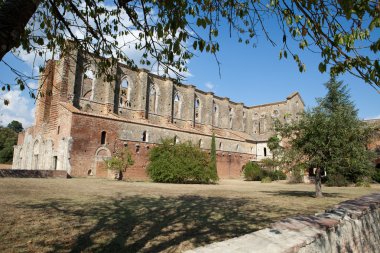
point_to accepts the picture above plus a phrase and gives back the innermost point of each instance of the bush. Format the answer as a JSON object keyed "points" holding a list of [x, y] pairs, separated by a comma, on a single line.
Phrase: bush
{"points": [[336, 180], [119, 162], [276, 175], [253, 172], [266, 180], [296, 177], [376, 176], [180, 163], [363, 183]]}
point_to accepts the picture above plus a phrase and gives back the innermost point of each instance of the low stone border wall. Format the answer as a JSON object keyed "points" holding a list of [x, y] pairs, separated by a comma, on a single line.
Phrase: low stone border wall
{"points": [[351, 226], [33, 173]]}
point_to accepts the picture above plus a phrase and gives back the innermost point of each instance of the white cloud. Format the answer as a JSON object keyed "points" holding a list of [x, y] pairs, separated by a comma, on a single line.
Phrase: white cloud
{"points": [[375, 117], [209, 85], [33, 85], [20, 108]]}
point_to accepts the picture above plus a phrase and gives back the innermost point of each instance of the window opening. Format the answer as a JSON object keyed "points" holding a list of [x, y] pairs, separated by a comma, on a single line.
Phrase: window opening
{"points": [[103, 138], [144, 136]]}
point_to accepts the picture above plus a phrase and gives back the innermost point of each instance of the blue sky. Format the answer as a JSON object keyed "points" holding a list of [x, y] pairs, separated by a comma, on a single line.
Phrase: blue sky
{"points": [[257, 75], [249, 75]]}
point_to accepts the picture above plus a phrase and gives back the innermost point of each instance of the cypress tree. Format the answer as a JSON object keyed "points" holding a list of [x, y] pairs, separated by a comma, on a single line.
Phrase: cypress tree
{"points": [[213, 167]]}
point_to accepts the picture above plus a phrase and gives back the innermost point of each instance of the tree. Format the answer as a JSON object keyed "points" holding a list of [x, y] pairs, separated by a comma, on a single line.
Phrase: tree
{"points": [[213, 166], [119, 162], [274, 146], [331, 137], [169, 33], [8, 138], [15, 126]]}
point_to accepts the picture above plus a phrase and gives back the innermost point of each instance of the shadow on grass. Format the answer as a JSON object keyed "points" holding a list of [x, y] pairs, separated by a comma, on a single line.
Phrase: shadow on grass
{"points": [[153, 224], [301, 194]]}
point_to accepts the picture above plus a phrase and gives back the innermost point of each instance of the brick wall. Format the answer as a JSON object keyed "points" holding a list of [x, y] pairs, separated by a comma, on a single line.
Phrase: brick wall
{"points": [[86, 158]]}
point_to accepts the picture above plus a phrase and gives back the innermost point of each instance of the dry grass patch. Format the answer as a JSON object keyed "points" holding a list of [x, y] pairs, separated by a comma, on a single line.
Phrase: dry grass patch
{"points": [[91, 215]]}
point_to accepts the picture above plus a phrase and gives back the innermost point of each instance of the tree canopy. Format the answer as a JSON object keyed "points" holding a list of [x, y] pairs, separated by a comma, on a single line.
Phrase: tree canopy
{"points": [[8, 138], [331, 137], [167, 34], [15, 126]]}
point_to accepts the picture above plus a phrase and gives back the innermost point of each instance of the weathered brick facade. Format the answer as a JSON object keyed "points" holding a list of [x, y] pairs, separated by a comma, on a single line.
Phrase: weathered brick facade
{"points": [[138, 110]]}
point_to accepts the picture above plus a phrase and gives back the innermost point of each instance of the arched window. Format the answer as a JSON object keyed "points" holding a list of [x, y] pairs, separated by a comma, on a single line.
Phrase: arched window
{"points": [[176, 97], [196, 104], [265, 151], [220, 146], [230, 113], [237, 147], [177, 105], [144, 136], [197, 110], [103, 138], [244, 120], [261, 127], [200, 143], [255, 127], [215, 116], [124, 83], [176, 139], [125, 93], [36, 153], [88, 84], [153, 97]]}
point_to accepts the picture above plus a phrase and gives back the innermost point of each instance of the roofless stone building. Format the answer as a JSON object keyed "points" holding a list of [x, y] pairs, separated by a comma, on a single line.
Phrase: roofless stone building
{"points": [[82, 119]]}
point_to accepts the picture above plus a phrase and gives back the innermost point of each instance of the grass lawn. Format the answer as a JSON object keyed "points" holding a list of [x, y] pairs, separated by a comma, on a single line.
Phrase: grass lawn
{"points": [[94, 215]]}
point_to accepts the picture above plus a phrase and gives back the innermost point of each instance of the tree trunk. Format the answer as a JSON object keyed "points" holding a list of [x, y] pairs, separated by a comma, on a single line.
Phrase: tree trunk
{"points": [[14, 16], [318, 183]]}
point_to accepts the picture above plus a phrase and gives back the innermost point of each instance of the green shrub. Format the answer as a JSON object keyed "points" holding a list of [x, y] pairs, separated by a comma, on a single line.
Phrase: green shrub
{"points": [[363, 183], [296, 177], [119, 162], [376, 176], [266, 180], [180, 163], [276, 175], [213, 164], [336, 180], [269, 164], [253, 172]]}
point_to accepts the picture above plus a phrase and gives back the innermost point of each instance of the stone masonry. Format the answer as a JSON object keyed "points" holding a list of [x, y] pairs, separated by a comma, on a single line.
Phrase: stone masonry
{"points": [[81, 119], [351, 226]]}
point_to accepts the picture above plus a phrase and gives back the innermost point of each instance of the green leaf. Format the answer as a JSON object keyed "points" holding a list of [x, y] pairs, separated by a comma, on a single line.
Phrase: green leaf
{"points": [[195, 45], [322, 67], [40, 41], [374, 23], [201, 44]]}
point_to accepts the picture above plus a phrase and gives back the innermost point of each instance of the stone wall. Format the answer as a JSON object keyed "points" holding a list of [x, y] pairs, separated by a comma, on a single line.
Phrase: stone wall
{"points": [[138, 109], [88, 153], [351, 226], [138, 94], [39, 153]]}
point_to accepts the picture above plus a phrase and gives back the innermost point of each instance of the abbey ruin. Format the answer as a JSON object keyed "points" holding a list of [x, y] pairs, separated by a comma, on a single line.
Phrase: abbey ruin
{"points": [[83, 119]]}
